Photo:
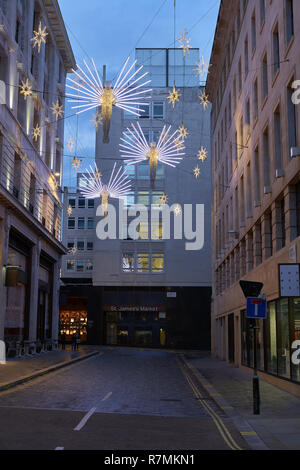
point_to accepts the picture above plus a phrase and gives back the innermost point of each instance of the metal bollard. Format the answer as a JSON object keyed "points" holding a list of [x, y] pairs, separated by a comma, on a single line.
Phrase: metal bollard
{"points": [[2, 353]]}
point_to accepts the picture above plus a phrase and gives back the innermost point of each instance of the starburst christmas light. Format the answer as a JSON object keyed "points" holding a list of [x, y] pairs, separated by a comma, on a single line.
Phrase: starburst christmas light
{"points": [[70, 144], [174, 96], [73, 250], [57, 109], [76, 164], [197, 172], [204, 100], [136, 149], [128, 92], [202, 68], [177, 210], [183, 132], [36, 132], [184, 42], [164, 199], [39, 37], [117, 188], [202, 154], [26, 89], [70, 210]]}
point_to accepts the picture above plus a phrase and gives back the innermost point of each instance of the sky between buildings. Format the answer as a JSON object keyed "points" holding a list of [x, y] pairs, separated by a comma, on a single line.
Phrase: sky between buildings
{"points": [[109, 31]]}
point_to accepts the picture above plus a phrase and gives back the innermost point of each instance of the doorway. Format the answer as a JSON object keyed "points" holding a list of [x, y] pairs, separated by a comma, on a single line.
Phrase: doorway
{"points": [[231, 344]]}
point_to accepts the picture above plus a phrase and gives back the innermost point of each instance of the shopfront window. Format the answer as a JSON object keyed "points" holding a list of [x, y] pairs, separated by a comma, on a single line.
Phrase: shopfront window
{"points": [[295, 329], [271, 339], [283, 338], [158, 263], [143, 263]]}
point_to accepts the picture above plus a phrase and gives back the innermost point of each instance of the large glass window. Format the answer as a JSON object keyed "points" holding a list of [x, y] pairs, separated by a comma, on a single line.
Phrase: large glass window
{"points": [[71, 223], [143, 171], [143, 263], [157, 263], [81, 203], [158, 110], [271, 339], [143, 198], [81, 223], [143, 230], [283, 338], [128, 262]]}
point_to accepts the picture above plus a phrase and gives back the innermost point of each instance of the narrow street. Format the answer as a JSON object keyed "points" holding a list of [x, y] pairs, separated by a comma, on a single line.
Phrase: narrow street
{"points": [[120, 399]]}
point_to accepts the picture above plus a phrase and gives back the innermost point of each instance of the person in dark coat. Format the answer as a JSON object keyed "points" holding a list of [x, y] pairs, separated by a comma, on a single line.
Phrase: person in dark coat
{"points": [[63, 340]]}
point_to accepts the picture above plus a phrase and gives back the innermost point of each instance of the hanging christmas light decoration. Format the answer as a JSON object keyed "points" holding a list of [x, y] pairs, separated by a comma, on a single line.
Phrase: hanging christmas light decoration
{"points": [[73, 250], [177, 210], [204, 100], [202, 154], [174, 96], [183, 132], [164, 199], [76, 164], [70, 210], [202, 68], [57, 109], [184, 42], [39, 37], [36, 132], [70, 144], [136, 149], [197, 172], [123, 94], [179, 144], [91, 186], [25, 89]]}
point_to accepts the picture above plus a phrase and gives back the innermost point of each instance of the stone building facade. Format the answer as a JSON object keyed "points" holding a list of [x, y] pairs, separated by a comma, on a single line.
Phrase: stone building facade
{"points": [[31, 171], [255, 131]]}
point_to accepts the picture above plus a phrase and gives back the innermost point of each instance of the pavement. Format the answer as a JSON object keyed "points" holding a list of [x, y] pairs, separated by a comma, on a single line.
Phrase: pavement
{"points": [[133, 398], [277, 426]]}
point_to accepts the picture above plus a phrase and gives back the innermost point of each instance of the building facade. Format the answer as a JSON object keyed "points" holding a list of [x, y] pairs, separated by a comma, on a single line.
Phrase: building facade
{"points": [[148, 291], [255, 130], [31, 171]]}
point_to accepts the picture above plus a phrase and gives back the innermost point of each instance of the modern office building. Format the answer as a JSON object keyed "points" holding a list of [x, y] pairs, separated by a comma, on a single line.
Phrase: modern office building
{"points": [[31, 152], [150, 291], [255, 131]]}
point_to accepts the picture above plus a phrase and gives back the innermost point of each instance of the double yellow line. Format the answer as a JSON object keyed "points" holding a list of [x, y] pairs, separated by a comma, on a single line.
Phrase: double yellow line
{"points": [[216, 419]]}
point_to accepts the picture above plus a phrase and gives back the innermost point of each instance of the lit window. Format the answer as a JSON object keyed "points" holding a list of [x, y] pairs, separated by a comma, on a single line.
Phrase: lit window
{"points": [[157, 231], [143, 263], [157, 263], [70, 265], [143, 198], [89, 266], [128, 262], [80, 266], [143, 231]]}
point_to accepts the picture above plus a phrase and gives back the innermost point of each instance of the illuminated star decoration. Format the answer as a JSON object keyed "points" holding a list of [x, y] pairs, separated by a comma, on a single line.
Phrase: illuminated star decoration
{"points": [[202, 154], [73, 250], [136, 149], [36, 132], [76, 164], [118, 187], [177, 210], [39, 37], [97, 119], [184, 42], [202, 68], [69, 210], [26, 89], [128, 93], [179, 144], [204, 100], [57, 109], [174, 96], [164, 199], [197, 172], [70, 144], [183, 132]]}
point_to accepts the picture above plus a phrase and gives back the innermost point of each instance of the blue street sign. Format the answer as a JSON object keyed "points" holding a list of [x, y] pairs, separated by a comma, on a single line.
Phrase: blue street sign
{"points": [[256, 308]]}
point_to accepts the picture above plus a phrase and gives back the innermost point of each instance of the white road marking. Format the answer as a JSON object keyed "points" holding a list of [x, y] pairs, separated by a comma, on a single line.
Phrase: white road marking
{"points": [[107, 396], [84, 420], [59, 448]]}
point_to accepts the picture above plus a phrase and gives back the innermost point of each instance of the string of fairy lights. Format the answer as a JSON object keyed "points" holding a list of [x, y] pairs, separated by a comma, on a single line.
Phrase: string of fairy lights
{"points": [[130, 92]]}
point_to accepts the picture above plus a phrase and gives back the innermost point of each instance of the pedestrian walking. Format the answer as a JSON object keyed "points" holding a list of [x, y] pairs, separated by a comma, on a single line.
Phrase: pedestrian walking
{"points": [[63, 340]]}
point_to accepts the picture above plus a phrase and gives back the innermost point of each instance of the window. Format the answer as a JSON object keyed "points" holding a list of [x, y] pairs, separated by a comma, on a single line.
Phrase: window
{"points": [[144, 111], [90, 223], [143, 263], [289, 7], [266, 161], [89, 266], [90, 246], [130, 171], [80, 245], [157, 231], [128, 262], [271, 339], [143, 198], [265, 76], [72, 203], [71, 223], [157, 263], [143, 171], [80, 266], [81, 203], [283, 342], [277, 141], [158, 110], [276, 54], [295, 320], [143, 230], [246, 52], [91, 203], [262, 11], [253, 31], [70, 265], [256, 177], [70, 245], [291, 113], [80, 223], [255, 100]]}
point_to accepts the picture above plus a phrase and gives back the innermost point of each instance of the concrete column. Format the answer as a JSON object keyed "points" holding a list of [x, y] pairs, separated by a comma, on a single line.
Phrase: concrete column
{"points": [[237, 264], [266, 232], [276, 226], [4, 238], [290, 213], [34, 290], [55, 301], [257, 245]]}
